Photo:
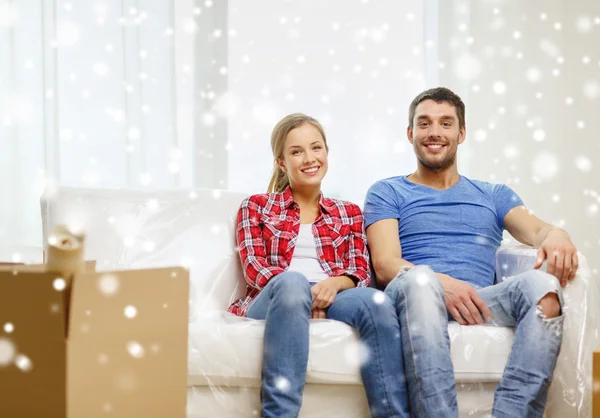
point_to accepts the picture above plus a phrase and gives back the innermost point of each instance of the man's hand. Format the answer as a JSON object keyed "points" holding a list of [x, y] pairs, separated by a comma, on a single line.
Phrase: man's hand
{"points": [[324, 293], [561, 254], [318, 313], [463, 302]]}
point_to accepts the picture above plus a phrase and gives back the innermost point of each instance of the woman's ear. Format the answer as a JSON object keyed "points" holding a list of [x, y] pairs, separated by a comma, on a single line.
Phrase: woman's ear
{"points": [[281, 164]]}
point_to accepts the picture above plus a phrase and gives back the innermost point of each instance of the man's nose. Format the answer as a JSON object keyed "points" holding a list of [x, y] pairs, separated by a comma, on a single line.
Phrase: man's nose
{"points": [[435, 131]]}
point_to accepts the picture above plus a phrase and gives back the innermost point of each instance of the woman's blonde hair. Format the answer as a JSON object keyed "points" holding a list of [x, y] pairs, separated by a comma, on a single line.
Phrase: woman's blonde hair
{"points": [[279, 180]]}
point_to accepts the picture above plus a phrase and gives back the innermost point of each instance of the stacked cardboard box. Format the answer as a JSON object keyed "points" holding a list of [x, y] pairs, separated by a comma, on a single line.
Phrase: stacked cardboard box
{"points": [[93, 344]]}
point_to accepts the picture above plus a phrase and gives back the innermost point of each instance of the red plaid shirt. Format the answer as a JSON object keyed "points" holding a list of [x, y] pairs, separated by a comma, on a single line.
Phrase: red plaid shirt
{"points": [[267, 229]]}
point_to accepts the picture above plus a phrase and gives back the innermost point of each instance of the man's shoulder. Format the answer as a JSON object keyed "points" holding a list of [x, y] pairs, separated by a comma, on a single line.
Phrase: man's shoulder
{"points": [[396, 183], [484, 186]]}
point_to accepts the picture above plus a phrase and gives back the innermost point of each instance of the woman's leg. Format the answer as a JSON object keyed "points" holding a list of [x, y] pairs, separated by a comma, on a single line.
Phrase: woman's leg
{"points": [[373, 315], [285, 303]]}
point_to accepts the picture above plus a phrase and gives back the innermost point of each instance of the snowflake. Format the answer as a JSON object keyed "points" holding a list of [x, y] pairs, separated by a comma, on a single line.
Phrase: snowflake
{"points": [[149, 246], [209, 119], [584, 24], [583, 163], [534, 75], [130, 311], [545, 166], [9, 14], [422, 279], [591, 89], [135, 349], [499, 87], [511, 152], [356, 354], [133, 133], [102, 359], [379, 298], [539, 135], [59, 284], [145, 179], [24, 363], [67, 34], [101, 69], [282, 384], [467, 67]]}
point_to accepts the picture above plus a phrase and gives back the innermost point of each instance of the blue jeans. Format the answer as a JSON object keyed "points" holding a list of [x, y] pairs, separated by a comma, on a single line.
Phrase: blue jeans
{"points": [[522, 391], [285, 303]]}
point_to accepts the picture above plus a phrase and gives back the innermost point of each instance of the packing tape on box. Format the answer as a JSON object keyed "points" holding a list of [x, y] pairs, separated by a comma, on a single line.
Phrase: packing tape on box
{"points": [[64, 251]]}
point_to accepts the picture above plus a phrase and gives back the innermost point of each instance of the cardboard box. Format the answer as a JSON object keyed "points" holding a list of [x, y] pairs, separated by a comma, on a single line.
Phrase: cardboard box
{"points": [[94, 345], [596, 384]]}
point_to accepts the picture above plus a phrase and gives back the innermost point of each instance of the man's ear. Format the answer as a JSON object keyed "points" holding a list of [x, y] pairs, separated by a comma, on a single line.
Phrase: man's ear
{"points": [[462, 134], [409, 134]]}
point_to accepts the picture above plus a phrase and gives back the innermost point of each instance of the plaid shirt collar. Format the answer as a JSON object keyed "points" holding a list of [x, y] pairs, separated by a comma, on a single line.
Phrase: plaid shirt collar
{"points": [[325, 204]]}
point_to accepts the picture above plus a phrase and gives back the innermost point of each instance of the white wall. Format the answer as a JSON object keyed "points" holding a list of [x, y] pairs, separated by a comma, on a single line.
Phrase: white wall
{"points": [[530, 75], [353, 65]]}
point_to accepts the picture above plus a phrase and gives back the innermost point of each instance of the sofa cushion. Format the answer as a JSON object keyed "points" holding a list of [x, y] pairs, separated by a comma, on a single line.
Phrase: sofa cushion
{"points": [[227, 350]]}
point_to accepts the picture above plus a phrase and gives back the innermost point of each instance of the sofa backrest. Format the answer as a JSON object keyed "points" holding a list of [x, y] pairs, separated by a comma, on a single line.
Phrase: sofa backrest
{"points": [[135, 229]]}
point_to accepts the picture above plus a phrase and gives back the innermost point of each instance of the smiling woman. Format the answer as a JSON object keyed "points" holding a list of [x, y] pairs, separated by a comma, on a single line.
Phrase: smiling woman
{"points": [[305, 256]]}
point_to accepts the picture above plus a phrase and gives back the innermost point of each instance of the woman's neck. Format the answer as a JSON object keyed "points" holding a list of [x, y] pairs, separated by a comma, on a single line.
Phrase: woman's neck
{"points": [[307, 197]]}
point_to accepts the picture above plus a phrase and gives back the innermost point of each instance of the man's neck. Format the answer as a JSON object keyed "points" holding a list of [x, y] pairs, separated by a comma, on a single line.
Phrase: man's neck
{"points": [[436, 179]]}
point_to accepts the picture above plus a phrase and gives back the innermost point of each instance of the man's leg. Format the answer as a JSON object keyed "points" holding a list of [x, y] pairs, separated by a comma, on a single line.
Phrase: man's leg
{"points": [[372, 314], [419, 299], [531, 302], [285, 303]]}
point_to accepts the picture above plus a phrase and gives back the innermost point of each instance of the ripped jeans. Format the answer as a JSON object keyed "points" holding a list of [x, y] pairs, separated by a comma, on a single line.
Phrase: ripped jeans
{"points": [[523, 389]]}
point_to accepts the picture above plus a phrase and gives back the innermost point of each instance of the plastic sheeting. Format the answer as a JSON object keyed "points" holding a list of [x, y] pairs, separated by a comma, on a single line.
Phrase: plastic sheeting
{"points": [[130, 229]]}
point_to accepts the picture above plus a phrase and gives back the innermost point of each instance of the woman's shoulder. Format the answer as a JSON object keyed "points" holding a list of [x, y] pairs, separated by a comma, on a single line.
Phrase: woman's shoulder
{"points": [[261, 199], [348, 206]]}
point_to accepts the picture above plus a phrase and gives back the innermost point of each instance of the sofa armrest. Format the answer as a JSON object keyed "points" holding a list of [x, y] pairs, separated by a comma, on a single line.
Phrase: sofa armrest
{"points": [[570, 394], [513, 259]]}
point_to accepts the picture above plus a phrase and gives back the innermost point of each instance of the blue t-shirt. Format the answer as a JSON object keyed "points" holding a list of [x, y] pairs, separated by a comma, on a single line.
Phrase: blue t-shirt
{"points": [[455, 231]]}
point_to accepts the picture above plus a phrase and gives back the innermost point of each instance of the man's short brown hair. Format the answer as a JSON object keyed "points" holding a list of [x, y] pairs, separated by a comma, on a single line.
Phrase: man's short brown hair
{"points": [[439, 95]]}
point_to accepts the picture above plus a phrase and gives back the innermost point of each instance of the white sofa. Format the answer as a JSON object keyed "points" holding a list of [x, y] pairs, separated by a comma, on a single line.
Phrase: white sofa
{"points": [[127, 229]]}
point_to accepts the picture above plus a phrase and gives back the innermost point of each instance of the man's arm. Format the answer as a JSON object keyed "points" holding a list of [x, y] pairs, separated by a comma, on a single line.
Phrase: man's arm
{"points": [[553, 243], [385, 249]]}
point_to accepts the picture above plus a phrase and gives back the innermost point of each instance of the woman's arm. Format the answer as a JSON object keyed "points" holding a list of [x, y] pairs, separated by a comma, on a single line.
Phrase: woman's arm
{"points": [[253, 254], [356, 264]]}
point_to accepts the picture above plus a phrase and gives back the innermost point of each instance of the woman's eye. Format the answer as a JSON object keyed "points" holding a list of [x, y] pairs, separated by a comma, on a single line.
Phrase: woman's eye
{"points": [[295, 152], [317, 147]]}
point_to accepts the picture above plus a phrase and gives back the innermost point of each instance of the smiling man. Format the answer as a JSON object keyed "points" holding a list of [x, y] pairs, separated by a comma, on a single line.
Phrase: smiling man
{"points": [[433, 237]]}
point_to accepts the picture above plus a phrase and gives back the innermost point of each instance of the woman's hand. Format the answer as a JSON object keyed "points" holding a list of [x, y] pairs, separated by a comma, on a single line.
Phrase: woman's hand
{"points": [[318, 313], [324, 293]]}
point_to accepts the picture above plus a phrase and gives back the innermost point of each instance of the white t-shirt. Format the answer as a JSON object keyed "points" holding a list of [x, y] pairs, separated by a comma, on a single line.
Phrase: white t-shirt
{"points": [[305, 259]]}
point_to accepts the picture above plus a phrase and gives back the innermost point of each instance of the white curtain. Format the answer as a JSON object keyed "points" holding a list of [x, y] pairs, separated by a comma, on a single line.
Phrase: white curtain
{"points": [[166, 94], [103, 94]]}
